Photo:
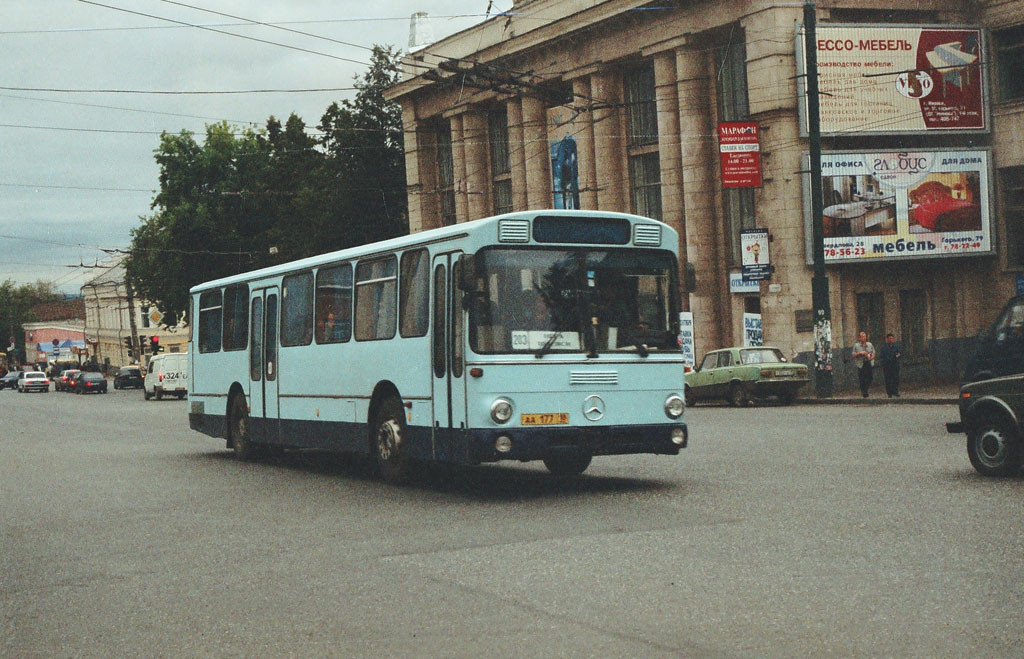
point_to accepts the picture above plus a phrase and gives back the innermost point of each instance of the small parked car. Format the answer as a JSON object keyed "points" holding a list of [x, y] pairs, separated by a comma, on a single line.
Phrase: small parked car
{"points": [[128, 377], [10, 381], [89, 383], [992, 416], [61, 381], [34, 381], [741, 374], [72, 381]]}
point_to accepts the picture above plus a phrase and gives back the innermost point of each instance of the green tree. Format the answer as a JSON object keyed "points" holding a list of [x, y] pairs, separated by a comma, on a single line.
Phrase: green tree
{"points": [[16, 304], [226, 202]]}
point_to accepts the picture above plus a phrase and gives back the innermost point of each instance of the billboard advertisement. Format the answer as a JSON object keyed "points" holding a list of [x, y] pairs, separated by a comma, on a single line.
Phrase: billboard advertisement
{"points": [[900, 205], [898, 79]]}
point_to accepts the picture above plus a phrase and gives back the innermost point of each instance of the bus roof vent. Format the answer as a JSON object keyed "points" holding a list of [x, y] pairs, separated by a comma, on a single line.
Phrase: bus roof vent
{"points": [[514, 231], [647, 235]]}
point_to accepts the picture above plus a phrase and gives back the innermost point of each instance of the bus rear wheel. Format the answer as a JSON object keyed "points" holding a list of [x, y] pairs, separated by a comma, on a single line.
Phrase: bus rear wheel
{"points": [[390, 442], [241, 437], [567, 465]]}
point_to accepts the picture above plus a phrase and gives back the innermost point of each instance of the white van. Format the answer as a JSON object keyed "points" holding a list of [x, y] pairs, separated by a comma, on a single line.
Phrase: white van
{"points": [[167, 375]]}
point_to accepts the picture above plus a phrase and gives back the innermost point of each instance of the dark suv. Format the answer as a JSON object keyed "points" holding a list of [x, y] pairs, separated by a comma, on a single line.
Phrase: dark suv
{"points": [[992, 413]]}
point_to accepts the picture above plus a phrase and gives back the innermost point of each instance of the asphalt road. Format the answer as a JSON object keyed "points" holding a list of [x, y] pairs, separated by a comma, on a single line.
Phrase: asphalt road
{"points": [[810, 531]]}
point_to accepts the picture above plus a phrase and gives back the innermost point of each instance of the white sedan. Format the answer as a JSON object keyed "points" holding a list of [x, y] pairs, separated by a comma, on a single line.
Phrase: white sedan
{"points": [[33, 381]]}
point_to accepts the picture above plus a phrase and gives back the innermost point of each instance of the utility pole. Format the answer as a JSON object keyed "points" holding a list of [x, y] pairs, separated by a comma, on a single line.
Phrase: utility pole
{"points": [[819, 283], [136, 346]]}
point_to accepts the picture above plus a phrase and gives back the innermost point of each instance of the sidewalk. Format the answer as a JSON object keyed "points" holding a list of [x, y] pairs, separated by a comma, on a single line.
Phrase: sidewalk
{"points": [[910, 394]]}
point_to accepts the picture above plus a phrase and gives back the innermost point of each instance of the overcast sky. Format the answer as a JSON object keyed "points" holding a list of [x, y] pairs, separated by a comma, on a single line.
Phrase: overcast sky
{"points": [[77, 168]]}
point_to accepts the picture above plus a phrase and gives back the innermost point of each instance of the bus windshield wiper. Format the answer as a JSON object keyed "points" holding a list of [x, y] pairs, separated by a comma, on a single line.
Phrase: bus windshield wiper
{"points": [[546, 348]]}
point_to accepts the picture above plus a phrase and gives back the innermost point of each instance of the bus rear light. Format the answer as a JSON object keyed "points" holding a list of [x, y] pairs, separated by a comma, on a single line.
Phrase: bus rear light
{"points": [[476, 372], [160, 376], [503, 444]]}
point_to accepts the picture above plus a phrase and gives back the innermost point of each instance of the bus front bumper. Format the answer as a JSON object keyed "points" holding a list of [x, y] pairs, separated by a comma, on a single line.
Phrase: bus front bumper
{"points": [[538, 443]]}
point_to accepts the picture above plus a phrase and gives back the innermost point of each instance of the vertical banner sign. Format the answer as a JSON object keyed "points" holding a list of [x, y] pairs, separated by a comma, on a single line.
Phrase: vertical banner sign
{"points": [[686, 343], [886, 79], [740, 151], [755, 262], [565, 170], [753, 335]]}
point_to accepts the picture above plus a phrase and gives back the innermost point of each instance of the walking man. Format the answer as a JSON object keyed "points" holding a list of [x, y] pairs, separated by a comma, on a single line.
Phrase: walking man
{"points": [[864, 354], [890, 354]]}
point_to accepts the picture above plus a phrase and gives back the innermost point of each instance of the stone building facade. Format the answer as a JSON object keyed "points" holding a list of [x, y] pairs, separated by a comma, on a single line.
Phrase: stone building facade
{"points": [[108, 321], [616, 105]]}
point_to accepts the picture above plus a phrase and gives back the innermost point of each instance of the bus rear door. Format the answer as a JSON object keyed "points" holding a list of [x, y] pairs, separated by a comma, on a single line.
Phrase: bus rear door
{"points": [[448, 361], [263, 401]]}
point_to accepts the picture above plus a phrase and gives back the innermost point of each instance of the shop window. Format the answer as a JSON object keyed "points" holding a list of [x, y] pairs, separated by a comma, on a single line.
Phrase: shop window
{"points": [[871, 317], [497, 126], [1010, 62], [645, 184], [503, 196], [501, 162], [445, 173], [641, 108], [913, 309], [1011, 182]]}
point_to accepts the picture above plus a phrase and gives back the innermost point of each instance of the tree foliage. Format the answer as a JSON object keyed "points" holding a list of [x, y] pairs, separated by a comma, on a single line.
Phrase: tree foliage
{"points": [[226, 201], [16, 304]]}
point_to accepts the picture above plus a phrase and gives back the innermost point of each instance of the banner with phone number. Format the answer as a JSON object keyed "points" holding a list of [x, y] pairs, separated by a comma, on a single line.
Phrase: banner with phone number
{"points": [[900, 205]]}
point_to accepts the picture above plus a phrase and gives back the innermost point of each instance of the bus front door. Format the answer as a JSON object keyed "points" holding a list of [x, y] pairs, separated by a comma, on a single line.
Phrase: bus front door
{"points": [[448, 361], [263, 401]]}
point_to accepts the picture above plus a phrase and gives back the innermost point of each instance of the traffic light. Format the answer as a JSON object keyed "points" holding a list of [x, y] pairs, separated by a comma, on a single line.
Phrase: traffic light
{"points": [[154, 341], [128, 342]]}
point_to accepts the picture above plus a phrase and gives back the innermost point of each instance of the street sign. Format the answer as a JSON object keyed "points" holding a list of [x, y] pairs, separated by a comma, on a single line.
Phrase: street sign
{"points": [[155, 316]]}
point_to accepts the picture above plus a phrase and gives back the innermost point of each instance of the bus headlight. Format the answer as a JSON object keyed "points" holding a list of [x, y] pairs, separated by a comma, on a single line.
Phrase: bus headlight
{"points": [[501, 410], [674, 406]]}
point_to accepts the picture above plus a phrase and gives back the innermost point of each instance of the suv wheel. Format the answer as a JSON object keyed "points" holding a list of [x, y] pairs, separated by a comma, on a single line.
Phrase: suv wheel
{"points": [[994, 448]]}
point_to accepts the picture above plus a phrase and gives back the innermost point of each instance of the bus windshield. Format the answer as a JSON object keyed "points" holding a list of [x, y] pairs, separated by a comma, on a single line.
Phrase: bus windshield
{"points": [[573, 300]]}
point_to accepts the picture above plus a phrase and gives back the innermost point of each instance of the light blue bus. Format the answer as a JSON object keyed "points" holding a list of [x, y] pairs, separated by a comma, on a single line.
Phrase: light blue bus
{"points": [[548, 335]]}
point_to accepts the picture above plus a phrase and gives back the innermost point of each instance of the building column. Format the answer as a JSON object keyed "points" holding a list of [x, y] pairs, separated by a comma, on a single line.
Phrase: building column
{"points": [[612, 174], [704, 239], [586, 158], [414, 160], [538, 156], [670, 154], [517, 154], [459, 169]]}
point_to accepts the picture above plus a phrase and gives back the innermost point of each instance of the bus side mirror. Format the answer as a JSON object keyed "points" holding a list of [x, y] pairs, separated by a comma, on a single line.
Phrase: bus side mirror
{"points": [[467, 272]]}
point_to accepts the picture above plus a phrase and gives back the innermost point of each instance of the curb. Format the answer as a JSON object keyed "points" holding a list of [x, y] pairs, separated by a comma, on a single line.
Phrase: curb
{"points": [[876, 401]]}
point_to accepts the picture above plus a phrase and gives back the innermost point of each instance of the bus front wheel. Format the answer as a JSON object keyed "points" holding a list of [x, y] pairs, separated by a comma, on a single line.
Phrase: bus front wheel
{"points": [[567, 465], [241, 438], [390, 442]]}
